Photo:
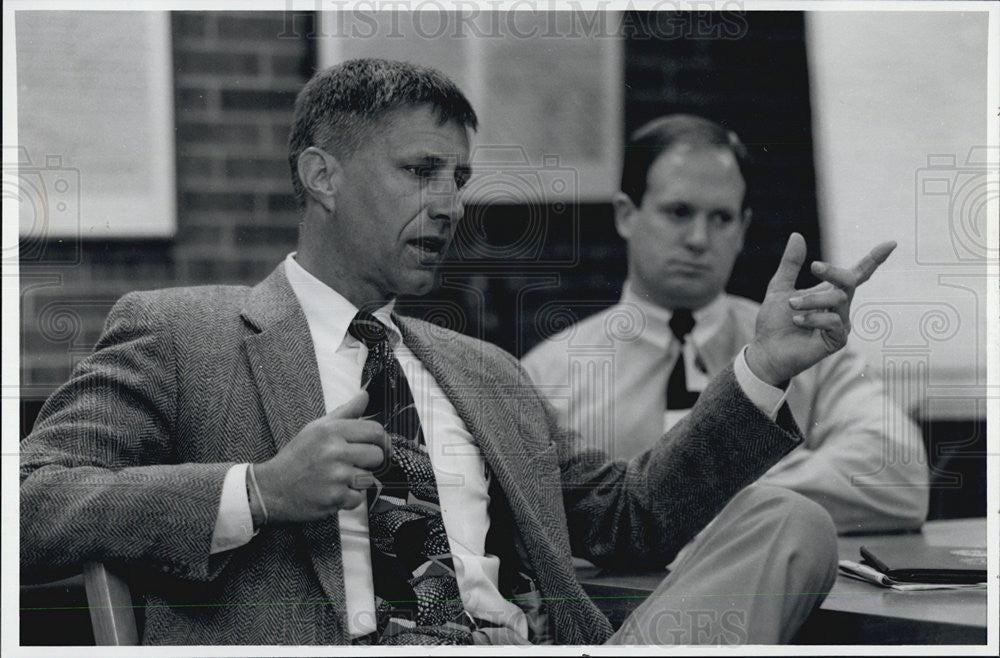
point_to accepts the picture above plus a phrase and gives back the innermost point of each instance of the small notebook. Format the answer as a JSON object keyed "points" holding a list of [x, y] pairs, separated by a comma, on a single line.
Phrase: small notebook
{"points": [[870, 575], [927, 564]]}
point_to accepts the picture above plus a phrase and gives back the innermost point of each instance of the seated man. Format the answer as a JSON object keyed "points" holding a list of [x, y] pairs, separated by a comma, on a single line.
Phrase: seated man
{"points": [[220, 442], [683, 213]]}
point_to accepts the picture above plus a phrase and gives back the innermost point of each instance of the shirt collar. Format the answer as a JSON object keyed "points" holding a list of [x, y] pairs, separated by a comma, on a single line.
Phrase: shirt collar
{"points": [[329, 311], [708, 319]]}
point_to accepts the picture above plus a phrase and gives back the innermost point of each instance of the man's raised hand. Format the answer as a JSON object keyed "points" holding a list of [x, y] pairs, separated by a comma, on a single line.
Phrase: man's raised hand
{"points": [[798, 328], [326, 467]]}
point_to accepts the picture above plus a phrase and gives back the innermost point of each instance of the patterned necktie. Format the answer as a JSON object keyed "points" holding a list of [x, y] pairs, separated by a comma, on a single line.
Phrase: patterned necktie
{"points": [[417, 600], [678, 395]]}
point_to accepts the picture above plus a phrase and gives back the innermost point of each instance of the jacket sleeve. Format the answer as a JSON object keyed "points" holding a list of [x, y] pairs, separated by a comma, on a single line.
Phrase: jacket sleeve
{"points": [[99, 478], [863, 458], [641, 512]]}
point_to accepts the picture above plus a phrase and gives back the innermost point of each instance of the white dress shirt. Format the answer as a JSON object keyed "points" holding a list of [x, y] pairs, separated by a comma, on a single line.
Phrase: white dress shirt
{"points": [[707, 321], [459, 467]]}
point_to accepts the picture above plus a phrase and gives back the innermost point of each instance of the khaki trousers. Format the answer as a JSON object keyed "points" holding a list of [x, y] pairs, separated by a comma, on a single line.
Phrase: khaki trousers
{"points": [[751, 576]]}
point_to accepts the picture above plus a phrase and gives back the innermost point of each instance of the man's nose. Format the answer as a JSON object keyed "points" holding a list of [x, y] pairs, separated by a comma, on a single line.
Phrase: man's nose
{"points": [[445, 200], [697, 233]]}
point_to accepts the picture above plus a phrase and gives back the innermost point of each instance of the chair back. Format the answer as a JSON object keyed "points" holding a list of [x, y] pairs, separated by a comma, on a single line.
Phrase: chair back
{"points": [[110, 602]]}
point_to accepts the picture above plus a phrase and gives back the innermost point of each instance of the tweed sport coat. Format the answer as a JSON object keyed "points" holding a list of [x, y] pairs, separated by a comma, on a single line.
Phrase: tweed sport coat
{"points": [[126, 464]]}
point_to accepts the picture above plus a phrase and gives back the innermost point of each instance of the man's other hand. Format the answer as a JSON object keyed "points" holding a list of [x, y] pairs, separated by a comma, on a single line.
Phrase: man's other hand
{"points": [[796, 329], [326, 467]]}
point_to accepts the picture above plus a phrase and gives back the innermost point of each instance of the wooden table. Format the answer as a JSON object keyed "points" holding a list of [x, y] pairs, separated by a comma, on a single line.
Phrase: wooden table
{"points": [[855, 612]]}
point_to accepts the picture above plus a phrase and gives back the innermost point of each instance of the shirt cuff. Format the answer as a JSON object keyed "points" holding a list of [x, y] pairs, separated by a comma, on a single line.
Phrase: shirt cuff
{"points": [[234, 524], [765, 397]]}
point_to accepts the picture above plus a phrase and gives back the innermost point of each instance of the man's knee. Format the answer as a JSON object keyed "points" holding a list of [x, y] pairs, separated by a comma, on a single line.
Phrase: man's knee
{"points": [[778, 501], [804, 530]]}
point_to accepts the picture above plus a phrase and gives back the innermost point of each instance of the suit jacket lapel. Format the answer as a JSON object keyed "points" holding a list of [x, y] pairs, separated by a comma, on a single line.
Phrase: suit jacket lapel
{"points": [[282, 359], [283, 363], [487, 409]]}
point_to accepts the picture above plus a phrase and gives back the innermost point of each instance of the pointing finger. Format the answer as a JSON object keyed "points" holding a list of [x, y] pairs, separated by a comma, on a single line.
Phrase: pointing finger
{"points": [[790, 265], [847, 279], [850, 278], [867, 265]]}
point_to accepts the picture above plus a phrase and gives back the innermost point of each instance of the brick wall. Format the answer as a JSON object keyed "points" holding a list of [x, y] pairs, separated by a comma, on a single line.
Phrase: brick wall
{"points": [[236, 81]]}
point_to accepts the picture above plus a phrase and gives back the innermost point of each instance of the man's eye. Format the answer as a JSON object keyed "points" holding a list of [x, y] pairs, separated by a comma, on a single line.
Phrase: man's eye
{"points": [[420, 171], [721, 218], [678, 211]]}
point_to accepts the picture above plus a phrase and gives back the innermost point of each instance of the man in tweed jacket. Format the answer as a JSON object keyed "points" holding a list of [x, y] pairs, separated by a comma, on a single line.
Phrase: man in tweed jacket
{"points": [[134, 460]]}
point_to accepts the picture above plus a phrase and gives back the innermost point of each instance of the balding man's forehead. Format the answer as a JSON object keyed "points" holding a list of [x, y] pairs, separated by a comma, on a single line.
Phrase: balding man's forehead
{"points": [[678, 154]]}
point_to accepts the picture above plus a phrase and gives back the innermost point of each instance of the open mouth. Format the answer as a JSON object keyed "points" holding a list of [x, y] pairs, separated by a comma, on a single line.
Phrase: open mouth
{"points": [[430, 246]]}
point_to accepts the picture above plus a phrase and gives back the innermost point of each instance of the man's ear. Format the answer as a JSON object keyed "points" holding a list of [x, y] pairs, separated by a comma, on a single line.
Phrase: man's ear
{"points": [[624, 214], [321, 176]]}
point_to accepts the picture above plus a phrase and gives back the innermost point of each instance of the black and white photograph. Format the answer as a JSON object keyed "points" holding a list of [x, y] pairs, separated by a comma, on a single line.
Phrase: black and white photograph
{"points": [[550, 327]]}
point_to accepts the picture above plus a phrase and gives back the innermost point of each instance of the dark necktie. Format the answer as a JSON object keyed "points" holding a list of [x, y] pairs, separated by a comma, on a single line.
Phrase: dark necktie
{"points": [[417, 600], [678, 395]]}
